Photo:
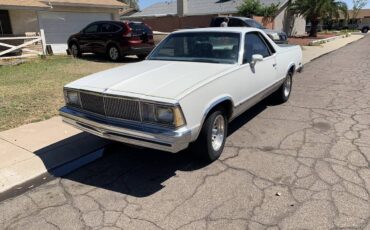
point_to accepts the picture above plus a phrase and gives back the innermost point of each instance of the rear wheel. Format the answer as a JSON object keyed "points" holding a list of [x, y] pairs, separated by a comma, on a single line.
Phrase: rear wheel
{"points": [[211, 141], [113, 53], [75, 50], [365, 30], [282, 95], [142, 56]]}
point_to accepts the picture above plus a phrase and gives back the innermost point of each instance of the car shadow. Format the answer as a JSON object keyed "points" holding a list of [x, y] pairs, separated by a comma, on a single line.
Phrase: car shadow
{"points": [[133, 171], [104, 59], [142, 172]]}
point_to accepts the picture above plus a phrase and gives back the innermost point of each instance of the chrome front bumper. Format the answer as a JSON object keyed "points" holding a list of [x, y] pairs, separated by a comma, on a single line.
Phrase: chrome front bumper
{"points": [[143, 135]]}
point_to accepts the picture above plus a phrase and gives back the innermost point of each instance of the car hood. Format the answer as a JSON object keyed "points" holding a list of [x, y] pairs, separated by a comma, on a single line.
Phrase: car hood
{"points": [[160, 79]]}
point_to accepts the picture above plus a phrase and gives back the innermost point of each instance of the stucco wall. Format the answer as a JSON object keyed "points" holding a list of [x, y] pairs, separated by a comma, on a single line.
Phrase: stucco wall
{"points": [[289, 23], [23, 21]]}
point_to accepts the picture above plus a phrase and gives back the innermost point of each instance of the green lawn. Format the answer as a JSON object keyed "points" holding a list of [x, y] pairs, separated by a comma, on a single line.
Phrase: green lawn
{"points": [[33, 91]]}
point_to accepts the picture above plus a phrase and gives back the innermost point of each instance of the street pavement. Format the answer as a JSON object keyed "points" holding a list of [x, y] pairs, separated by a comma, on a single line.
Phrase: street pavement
{"points": [[301, 165]]}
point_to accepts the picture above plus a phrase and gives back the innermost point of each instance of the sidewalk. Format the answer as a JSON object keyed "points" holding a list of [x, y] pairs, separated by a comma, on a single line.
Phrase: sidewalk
{"points": [[33, 150], [313, 52]]}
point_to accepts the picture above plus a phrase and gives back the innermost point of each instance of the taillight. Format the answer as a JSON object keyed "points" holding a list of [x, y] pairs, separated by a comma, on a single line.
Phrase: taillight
{"points": [[128, 32]]}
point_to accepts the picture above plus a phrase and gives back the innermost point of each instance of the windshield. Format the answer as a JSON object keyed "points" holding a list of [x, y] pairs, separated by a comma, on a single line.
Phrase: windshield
{"points": [[255, 24], [211, 47]]}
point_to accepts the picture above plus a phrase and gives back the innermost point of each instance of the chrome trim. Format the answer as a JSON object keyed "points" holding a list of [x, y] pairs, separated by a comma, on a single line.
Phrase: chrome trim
{"points": [[143, 135], [140, 101], [250, 102]]}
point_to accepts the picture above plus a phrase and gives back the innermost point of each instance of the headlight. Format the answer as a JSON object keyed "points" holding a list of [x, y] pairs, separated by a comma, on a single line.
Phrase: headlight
{"points": [[72, 98], [166, 115]]}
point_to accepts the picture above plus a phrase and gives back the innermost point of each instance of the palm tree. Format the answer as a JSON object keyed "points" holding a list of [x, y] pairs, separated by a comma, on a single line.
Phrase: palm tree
{"points": [[315, 10]]}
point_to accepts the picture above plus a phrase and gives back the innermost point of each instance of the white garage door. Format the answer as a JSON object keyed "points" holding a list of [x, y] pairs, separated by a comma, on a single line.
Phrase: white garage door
{"points": [[58, 26]]}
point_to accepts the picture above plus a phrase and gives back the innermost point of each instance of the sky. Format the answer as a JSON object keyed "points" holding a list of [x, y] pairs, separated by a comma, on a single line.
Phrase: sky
{"points": [[146, 3]]}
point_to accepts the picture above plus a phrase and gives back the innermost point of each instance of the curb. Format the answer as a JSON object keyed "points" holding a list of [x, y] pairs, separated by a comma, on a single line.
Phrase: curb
{"points": [[326, 40], [58, 171], [334, 50]]}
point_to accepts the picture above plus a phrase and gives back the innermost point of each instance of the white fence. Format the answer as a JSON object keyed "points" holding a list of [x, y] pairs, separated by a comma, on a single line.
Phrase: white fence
{"points": [[27, 41]]}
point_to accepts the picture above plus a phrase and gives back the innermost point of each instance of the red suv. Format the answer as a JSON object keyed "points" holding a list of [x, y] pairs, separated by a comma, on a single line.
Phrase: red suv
{"points": [[113, 38]]}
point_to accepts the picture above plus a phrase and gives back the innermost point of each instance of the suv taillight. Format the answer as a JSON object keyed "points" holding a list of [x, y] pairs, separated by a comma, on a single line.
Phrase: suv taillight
{"points": [[128, 32]]}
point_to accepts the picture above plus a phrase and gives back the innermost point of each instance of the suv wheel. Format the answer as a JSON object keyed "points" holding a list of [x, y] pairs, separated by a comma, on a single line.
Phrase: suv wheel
{"points": [[75, 50], [211, 141], [113, 53], [365, 30]]}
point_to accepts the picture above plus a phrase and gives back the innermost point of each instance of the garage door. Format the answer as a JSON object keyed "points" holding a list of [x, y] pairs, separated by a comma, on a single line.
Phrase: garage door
{"points": [[58, 26]]}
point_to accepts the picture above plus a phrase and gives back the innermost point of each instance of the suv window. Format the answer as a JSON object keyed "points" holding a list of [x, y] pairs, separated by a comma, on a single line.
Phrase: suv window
{"points": [[139, 28], [216, 22], [109, 28], [234, 22], [92, 29], [254, 45]]}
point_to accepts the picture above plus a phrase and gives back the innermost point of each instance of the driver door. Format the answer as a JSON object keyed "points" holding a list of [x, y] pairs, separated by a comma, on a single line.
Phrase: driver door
{"points": [[256, 79]]}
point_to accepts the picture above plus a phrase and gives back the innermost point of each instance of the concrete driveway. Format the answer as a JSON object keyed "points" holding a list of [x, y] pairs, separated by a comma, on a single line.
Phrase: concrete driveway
{"points": [[301, 165]]}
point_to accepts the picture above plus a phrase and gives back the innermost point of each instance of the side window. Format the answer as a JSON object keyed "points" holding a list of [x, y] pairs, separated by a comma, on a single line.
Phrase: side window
{"points": [[92, 29], [254, 45], [236, 23], [109, 28]]}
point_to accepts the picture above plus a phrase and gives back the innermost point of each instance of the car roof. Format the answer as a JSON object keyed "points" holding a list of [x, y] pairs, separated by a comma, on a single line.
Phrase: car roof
{"points": [[241, 18], [220, 29]]}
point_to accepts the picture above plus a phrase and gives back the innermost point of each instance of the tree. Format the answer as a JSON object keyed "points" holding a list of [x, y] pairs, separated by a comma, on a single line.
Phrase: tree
{"points": [[316, 10], [131, 3], [357, 6], [251, 8]]}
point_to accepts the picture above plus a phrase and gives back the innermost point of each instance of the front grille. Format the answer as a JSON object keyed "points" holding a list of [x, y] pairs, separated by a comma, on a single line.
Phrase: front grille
{"points": [[92, 103], [121, 108]]}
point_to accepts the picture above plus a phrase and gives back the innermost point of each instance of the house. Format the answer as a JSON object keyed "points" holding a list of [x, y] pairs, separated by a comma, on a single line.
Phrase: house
{"points": [[58, 18], [363, 13], [174, 14]]}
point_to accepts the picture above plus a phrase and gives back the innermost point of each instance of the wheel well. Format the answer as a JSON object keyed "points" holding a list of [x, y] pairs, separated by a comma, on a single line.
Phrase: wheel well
{"points": [[110, 44], [72, 42], [226, 106], [292, 69]]}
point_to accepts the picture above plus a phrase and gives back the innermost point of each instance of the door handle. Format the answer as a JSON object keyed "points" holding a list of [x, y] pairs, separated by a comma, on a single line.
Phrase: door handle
{"points": [[274, 65]]}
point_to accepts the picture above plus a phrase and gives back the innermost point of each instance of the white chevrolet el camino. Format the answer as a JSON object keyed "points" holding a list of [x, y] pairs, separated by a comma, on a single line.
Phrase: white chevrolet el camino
{"points": [[187, 91]]}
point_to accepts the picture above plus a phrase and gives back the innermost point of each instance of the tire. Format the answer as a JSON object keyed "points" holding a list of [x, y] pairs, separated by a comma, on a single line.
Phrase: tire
{"points": [[75, 50], [113, 53], [365, 30], [211, 142], [282, 95], [142, 56]]}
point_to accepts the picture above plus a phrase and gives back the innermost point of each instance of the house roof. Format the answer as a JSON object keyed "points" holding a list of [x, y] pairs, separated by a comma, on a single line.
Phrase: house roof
{"points": [[46, 3], [198, 7]]}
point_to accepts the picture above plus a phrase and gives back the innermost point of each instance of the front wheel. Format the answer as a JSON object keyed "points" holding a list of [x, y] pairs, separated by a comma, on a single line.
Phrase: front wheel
{"points": [[75, 50], [365, 30], [211, 141]]}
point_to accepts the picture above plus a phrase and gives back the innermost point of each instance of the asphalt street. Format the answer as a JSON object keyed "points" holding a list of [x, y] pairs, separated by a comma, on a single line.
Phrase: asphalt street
{"points": [[301, 165]]}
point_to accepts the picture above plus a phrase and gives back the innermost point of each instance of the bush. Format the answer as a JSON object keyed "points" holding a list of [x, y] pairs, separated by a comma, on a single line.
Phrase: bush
{"points": [[256, 8]]}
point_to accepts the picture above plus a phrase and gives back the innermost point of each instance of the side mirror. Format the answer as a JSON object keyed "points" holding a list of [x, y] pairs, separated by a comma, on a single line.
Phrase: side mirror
{"points": [[256, 58]]}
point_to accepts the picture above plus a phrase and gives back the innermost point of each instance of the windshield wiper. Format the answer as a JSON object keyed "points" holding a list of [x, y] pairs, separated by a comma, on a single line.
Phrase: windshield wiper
{"points": [[204, 60]]}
